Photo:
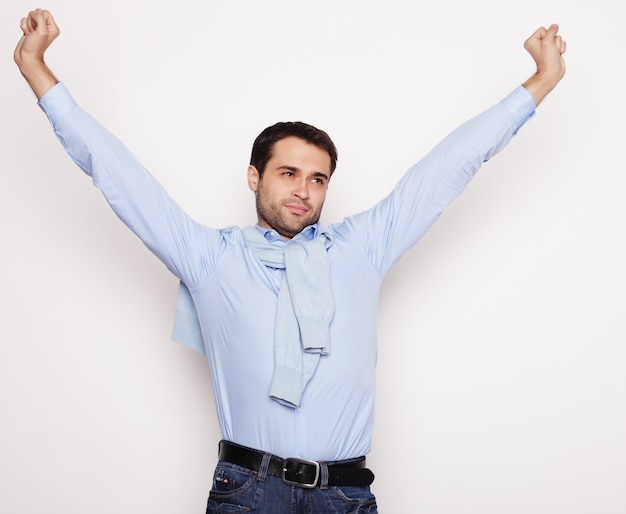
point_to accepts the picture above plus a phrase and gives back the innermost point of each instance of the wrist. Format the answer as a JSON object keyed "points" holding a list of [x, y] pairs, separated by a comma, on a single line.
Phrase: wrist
{"points": [[27, 60], [541, 83], [37, 74]]}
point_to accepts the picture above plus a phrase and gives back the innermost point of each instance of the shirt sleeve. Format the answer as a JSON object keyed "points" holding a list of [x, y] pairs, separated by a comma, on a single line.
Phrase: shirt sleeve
{"points": [[183, 245], [396, 223]]}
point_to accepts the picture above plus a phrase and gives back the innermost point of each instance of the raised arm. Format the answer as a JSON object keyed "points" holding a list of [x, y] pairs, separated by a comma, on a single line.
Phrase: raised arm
{"points": [[185, 247], [40, 30], [396, 223], [546, 47]]}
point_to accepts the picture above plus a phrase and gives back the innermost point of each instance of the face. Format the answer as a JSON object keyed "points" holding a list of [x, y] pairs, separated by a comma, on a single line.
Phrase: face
{"points": [[291, 193]]}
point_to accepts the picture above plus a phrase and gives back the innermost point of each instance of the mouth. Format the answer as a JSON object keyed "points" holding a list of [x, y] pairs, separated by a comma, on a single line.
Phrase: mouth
{"points": [[297, 209]]}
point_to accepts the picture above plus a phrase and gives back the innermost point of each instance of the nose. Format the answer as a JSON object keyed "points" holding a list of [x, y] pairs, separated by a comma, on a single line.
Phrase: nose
{"points": [[301, 189]]}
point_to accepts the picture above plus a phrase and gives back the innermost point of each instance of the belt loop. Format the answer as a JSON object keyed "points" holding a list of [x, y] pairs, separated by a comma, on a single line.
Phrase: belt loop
{"points": [[323, 475], [265, 464]]}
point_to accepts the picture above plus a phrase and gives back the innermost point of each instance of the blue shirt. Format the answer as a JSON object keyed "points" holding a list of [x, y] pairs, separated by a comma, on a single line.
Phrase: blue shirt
{"points": [[235, 294]]}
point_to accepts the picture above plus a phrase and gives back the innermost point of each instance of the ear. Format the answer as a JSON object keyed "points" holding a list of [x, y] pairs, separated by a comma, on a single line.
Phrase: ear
{"points": [[253, 178]]}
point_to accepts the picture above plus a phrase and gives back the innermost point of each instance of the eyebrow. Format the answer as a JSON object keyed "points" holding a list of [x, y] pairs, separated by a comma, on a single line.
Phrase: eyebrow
{"points": [[294, 169]]}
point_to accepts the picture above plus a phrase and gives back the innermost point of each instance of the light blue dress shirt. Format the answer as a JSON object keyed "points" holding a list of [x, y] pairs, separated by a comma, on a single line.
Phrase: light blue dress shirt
{"points": [[235, 294]]}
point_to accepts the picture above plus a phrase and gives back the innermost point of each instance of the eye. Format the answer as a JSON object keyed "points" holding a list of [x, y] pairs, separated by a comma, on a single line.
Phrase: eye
{"points": [[288, 174]]}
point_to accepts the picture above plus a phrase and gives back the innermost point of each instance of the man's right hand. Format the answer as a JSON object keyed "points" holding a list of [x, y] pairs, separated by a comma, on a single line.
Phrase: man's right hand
{"points": [[40, 30], [546, 47]]}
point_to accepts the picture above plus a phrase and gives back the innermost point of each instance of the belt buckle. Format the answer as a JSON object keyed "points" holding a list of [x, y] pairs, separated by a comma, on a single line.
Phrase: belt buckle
{"points": [[290, 472]]}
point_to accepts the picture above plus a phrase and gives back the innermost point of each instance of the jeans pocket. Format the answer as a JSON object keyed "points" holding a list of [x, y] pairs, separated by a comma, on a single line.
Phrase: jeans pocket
{"points": [[354, 500], [233, 489]]}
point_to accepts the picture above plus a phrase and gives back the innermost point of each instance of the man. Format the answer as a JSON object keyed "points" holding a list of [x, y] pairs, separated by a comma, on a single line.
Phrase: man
{"points": [[285, 311]]}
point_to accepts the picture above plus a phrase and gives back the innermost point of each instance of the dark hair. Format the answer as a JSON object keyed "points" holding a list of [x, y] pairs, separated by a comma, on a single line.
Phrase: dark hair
{"points": [[264, 143]]}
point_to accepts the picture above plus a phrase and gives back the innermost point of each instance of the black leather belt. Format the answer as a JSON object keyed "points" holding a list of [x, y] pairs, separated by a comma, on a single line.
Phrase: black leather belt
{"points": [[298, 472]]}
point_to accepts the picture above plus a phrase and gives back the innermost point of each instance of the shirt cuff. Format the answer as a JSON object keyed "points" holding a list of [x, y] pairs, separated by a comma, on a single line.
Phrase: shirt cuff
{"points": [[520, 105], [56, 103]]}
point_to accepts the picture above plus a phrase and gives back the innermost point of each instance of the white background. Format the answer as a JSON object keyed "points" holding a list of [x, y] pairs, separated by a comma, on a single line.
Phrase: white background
{"points": [[501, 384]]}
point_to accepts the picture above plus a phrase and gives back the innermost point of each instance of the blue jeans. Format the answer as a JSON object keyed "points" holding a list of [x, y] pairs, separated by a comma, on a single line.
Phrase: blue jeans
{"points": [[238, 489]]}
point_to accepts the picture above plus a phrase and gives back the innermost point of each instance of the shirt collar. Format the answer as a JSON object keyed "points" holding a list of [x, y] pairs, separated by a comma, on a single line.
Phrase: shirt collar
{"points": [[272, 236]]}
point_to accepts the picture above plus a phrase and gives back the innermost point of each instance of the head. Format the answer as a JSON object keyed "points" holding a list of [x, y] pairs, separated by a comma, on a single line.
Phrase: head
{"points": [[264, 143], [290, 167]]}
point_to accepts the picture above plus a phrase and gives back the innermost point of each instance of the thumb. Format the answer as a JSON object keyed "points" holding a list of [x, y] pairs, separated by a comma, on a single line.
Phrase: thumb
{"points": [[43, 23], [535, 39]]}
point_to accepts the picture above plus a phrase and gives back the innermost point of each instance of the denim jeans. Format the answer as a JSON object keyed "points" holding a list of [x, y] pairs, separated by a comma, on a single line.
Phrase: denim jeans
{"points": [[238, 489]]}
